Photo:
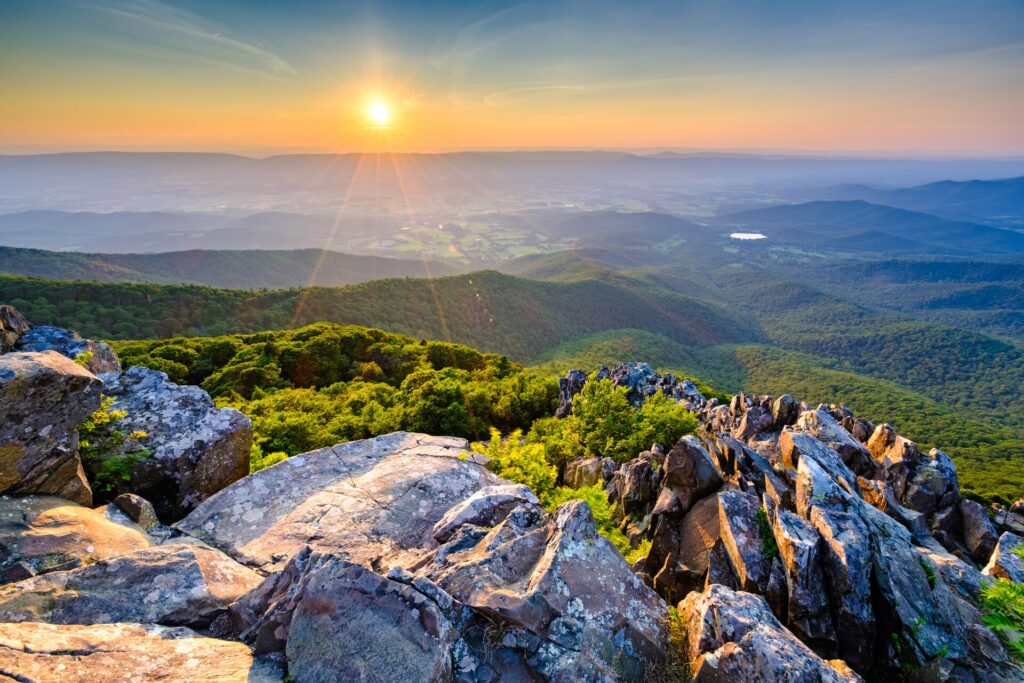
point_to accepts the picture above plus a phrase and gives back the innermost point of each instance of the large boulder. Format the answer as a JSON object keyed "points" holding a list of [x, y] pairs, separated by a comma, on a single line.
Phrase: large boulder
{"points": [[808, 613], [560, 589], [980, 535], [336, 620], [40, 534], [44, 397], [822, 426], [733, 636], [195, 448], [1005, 562], [584, 472], [486, 507], [12, 326], [680, 549], [741, 535], [125, 653], [375, 500], [97, 356], [689, 472], [174, 585]]}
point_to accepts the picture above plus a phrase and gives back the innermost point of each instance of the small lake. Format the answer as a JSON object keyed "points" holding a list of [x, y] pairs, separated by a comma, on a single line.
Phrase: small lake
{"points": [[747, 236]]}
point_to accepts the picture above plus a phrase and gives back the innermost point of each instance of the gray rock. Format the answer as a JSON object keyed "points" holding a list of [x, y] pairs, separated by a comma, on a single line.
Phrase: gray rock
{"points": [[741, 535], [584, 472], [880, 494], [44, 397], [485, 507], [980, 535], [688, 541], [138, 509], [12, 325], [375, 501], [733, 636], [785, 411], [636, 487], [796, 446], [195, 448], [800, 548], [934, 485], [1005, 563], [754, 421], [140, 653], [690, 473], [42, 534], [822, 426], [174, 585], [101, 358], [568, 387]]}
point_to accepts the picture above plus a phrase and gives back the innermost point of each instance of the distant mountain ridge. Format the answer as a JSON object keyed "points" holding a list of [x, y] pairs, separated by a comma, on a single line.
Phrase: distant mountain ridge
{"points": [[967, 200], [239, 269]]}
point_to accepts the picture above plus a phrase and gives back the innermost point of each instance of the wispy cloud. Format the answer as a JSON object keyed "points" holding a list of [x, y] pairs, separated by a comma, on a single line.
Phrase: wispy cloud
{"points": [[191, 34]]}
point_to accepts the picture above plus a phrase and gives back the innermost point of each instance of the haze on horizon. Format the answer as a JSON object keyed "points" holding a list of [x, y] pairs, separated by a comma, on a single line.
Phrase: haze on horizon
{"points": [[261, 77]]}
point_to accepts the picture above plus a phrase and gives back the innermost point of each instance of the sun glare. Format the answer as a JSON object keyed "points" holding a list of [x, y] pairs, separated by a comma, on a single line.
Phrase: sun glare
{"points": [[379, 113]]}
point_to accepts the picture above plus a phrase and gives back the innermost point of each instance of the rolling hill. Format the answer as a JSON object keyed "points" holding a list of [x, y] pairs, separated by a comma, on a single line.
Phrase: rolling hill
{"points": [[243, 269]]}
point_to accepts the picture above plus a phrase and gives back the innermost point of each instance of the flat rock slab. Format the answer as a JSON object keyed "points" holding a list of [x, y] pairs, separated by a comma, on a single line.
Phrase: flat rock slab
{"points": [[125, 653], [171, 584], [41, 533], [373, 502]]}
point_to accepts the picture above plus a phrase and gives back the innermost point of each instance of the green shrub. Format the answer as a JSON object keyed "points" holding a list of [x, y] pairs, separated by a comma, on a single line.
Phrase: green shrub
{"points": [[1002, 603]]}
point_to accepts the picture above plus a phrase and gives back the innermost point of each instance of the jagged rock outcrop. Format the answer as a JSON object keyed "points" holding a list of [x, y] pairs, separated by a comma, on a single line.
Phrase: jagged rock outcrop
{"points": [[733, 636], [195, 449], [44, 398], [97, 356], [125, 652], [173, 585], [1005, 563], [640, 382], [12, 325], [40, 534]]}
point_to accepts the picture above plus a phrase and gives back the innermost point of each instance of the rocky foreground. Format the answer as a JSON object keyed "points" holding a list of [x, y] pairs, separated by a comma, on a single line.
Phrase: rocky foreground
{"points": [[796, 544]]}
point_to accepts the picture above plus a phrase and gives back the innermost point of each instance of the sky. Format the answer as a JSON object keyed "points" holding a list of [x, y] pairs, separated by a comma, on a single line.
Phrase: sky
{"points": [[261, 77]]}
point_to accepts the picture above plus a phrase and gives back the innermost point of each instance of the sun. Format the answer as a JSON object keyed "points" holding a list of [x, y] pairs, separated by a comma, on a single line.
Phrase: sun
{"points": [[379, 113]]}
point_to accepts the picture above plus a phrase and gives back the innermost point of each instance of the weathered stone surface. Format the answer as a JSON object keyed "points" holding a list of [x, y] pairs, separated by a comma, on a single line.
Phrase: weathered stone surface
{"points": [[896, 458], [174, 585], [125, 653], [196, 449], [737, 520], [733, 636], [636, 486], [43, 534], [12, 325], [374, 501], [796, 446], [1005, 563], [584, 472], [44, 397], [690, 473], [688, 541], [485, 507], [879, 493], [934, 485], [980, 535], [754, 421], [101, 358], [847, 559], [138, 509], [800, 548], [555, 577], [785, 411], [568, 387], [822, 426]]}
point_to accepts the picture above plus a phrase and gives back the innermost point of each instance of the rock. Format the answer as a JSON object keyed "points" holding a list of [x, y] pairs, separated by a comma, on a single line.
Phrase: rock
{"points": [[847, 559], [174, 585], [800, 548], [1005, 563], [690, 473], [732, 636], [584, 472], [44, 534], [754, 421], [822, 426], [339, 621], [138, 509], [376, 500], [554, 579], [123, 653], [896, 458], [980, 534], [688, 542], [934, 485], [741, 535], [195, 448], [44, 397], [785, 411], [796, 446], [485, 507], [568, 387], [636, 487], [100, 359], [12, 326], [880, 494]]}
